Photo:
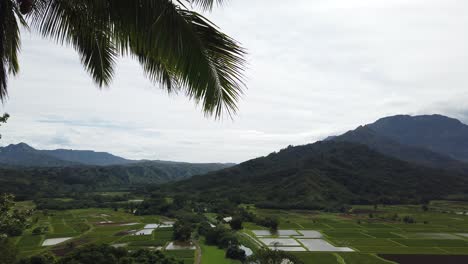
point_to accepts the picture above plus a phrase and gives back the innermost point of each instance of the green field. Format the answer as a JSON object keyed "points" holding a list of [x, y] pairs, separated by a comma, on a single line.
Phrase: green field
{"points": [[441, 230], [368, 231], [212, 254], [87, 226]]}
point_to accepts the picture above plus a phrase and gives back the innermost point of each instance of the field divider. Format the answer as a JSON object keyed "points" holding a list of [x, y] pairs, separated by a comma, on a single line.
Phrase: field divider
{"points": [[302, 245], [441, 249], [397, 243], [339, 259], [255, 241], [371, 236]]}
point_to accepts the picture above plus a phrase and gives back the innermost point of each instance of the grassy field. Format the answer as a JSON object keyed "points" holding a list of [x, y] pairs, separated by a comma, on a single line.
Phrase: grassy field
{"points": [[214, 255]]}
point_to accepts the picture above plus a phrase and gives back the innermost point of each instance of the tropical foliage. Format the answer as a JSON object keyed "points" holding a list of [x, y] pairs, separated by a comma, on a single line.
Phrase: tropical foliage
{"points": [[3, 119], [103, 254], [12, 220], [266, 256], [178, 48], [323, 175]]}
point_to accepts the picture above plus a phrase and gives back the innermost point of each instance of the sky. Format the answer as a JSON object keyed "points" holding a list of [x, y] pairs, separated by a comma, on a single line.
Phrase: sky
{"points": [[315, 68]]}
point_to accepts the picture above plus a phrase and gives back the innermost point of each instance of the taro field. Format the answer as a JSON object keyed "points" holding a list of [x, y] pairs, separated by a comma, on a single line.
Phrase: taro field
{"points": [[66, 230], [361, 235], [368, 234]]}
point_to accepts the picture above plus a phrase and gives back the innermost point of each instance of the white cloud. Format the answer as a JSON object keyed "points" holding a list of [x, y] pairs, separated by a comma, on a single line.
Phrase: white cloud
{"points": [[315, 68]]}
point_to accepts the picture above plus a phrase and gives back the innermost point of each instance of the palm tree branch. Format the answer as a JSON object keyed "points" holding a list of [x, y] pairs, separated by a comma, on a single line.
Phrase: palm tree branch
{"points": [[65, 22], [177, 48], [10, 43]]}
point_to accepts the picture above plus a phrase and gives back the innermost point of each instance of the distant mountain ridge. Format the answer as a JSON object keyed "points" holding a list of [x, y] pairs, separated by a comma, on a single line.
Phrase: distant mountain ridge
{"points": [[399, 159], [430, 140], [28, 182], [28, 172], [438, 133], [326, 172], [88, 157], [24, 155]]}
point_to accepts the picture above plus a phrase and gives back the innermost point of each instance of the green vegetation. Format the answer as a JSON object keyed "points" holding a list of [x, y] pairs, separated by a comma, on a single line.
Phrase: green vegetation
{"points": [[78, 181], [213, 254], [12, 220], [185, 51], [324, 175], [441, 228]]}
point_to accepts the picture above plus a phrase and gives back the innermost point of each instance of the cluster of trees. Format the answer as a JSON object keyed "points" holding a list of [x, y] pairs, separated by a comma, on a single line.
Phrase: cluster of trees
{"points": [[12, 223], [84, 200], [407, 219], [241, 214], [183, 230], [102, 254], [274, 257], [12, 220], [223, 238]]}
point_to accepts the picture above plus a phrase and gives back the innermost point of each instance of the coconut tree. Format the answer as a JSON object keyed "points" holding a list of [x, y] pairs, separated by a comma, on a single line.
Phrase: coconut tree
{"points": [[177, 47]]}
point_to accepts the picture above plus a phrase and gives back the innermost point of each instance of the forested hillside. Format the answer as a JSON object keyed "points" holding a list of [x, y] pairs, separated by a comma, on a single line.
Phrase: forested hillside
{"points": [[40, 181], [315, 175]]}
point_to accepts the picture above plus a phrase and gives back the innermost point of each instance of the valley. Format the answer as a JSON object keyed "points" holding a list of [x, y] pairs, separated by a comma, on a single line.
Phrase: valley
{"points": [[360, 234], [361, 197]]}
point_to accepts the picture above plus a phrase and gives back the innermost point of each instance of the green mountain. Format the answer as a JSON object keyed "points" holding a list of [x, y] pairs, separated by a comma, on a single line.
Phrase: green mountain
{"points": [[24, 155], [322, 173], [87, 157], [390, 147], [437, 133], [40, 181]]}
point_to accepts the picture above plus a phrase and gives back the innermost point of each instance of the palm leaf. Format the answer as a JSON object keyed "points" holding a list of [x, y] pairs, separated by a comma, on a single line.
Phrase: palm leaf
{"points": [[73, 23], [178, 48], [9, 43]]}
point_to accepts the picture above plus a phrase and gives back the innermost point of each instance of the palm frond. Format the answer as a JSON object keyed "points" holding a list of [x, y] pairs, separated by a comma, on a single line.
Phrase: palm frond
{"points": [[10, 43], [79, 24], [207, 64], [178, 48], [205, 4]]}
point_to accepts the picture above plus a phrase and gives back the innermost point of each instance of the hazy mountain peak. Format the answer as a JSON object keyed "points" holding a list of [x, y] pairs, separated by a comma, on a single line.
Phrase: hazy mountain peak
{"points": [[19, 147], [437, 133], [22, 154]]}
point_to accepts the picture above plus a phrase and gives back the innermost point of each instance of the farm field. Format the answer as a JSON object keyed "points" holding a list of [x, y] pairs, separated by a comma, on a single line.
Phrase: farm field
{"points": [[370, 232], [212, 254], [72, 228], [363, 235]]}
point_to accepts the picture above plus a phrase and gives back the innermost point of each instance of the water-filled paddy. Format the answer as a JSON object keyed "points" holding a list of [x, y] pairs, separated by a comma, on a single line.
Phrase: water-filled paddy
{"points": [[292, 249], [144, 232], [310, 234], [54, 241], [279, 241], [322, 245]]}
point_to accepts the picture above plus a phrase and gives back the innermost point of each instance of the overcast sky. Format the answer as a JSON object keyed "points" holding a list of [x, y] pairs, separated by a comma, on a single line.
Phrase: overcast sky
{"points": [[316, 68]]}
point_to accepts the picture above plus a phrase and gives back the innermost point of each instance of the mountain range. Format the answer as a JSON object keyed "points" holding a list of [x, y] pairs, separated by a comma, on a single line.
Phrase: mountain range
{"points": [[399, 159], [24, 155], [429, 140], [28, 172]]}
